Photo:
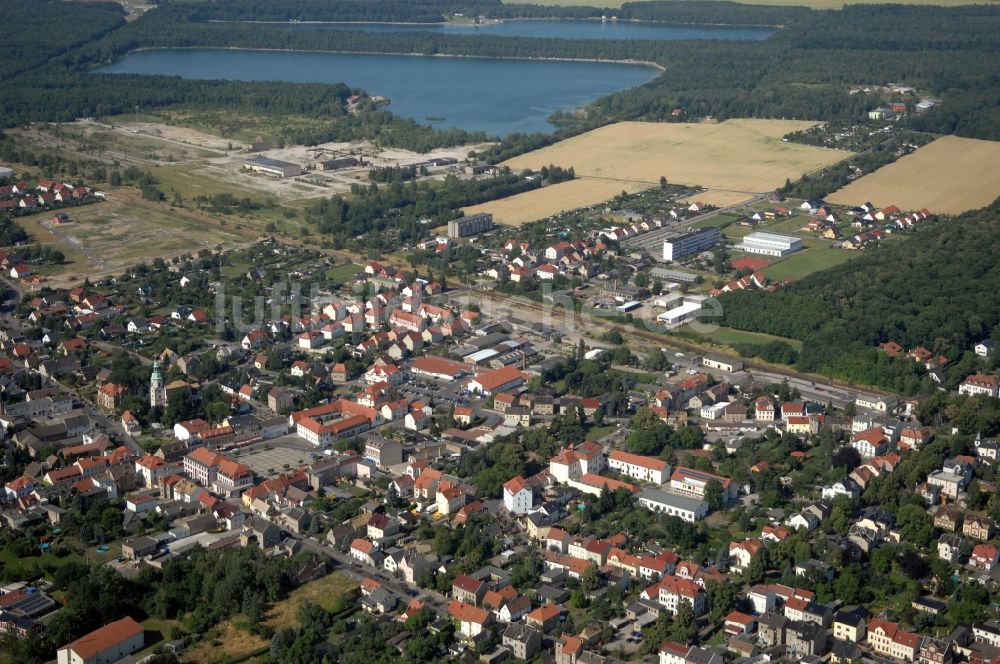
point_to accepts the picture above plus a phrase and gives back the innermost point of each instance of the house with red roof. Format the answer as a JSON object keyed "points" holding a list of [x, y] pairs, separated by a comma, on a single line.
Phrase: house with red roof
{"points": [[470, 620], [741, 553], [517, 495], [498, 380], [984, 557]]}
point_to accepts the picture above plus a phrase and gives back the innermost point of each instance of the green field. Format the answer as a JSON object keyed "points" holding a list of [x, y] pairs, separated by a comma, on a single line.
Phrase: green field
{"points": [[343, 273], [808, 261], [727, 336], [718, 221]]}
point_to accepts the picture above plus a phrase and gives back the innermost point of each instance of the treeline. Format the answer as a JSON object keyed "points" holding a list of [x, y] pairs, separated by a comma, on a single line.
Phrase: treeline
{"points": [[395, 173], [38, 31], [421, 11], [940, 290], [432, 11], [11, 232], [381, 219], [839, 175]]}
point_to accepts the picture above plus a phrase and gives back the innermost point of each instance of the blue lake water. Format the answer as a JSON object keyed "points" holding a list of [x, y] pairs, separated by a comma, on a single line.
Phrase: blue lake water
{"points": [[498, 96], [562, 29]]}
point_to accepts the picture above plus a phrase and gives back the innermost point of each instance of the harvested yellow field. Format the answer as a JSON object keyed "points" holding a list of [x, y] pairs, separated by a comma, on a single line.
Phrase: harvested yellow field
{"points": [[738, 156], [950, 175], [540, 203]]}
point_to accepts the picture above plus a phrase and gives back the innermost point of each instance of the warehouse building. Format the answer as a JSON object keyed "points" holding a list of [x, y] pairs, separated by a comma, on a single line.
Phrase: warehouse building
{"points": [[466, 226], [769, 244], [688, 244], [272, 167], [684, 313], [335, 164]]}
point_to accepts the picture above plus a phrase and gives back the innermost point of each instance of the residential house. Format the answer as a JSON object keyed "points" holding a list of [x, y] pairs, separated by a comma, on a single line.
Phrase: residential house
{"points": [[523, 641]]}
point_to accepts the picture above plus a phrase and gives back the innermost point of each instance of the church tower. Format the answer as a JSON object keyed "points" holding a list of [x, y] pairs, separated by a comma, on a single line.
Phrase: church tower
{"points": [[157, 392]]}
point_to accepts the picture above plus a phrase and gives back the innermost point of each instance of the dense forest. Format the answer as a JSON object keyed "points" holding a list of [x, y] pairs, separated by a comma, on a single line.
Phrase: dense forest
{"points": [[433, 11], [803, 71], [940, 289]]}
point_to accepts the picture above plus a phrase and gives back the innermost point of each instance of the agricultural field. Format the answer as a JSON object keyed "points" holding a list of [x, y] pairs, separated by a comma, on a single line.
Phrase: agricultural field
{"points": [[533, 205], [734, 160], [950, 175]]}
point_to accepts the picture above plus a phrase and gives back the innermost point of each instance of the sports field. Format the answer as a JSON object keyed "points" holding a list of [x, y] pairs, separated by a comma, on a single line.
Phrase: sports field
{"points": [[734, 160], [950, 175], [541, 203]]}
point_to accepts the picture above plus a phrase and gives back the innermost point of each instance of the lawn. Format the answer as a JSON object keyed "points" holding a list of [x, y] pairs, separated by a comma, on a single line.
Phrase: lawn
{"points": [[808, 261], [718, 221], [727, 336], [596, 433], [325, 592], [343, 273], [95, 556]]}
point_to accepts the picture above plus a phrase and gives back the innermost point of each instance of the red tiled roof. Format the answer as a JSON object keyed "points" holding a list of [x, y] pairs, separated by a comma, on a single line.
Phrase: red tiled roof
{"points": [[105, 637]]}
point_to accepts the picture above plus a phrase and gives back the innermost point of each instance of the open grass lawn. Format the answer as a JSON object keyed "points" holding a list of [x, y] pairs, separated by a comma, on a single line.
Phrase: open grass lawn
{"points": [[596, 433], [808, 261], [324, 591], [787, 227], [718, 221], [11, 561], [343, 273], [157, 632], [98, 557], [736, 232], [727, 336]]}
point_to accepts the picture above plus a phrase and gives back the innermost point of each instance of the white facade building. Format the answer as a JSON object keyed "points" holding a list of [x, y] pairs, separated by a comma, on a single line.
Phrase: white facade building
{"points": [[769, 244]]}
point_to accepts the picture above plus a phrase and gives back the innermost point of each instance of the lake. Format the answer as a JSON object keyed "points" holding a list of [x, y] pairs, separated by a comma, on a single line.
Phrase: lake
{"points": [[561, 29], [497, 96]]}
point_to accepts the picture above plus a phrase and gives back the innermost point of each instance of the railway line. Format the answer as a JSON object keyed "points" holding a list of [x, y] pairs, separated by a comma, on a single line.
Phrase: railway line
{"points": [[818, 387]]}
